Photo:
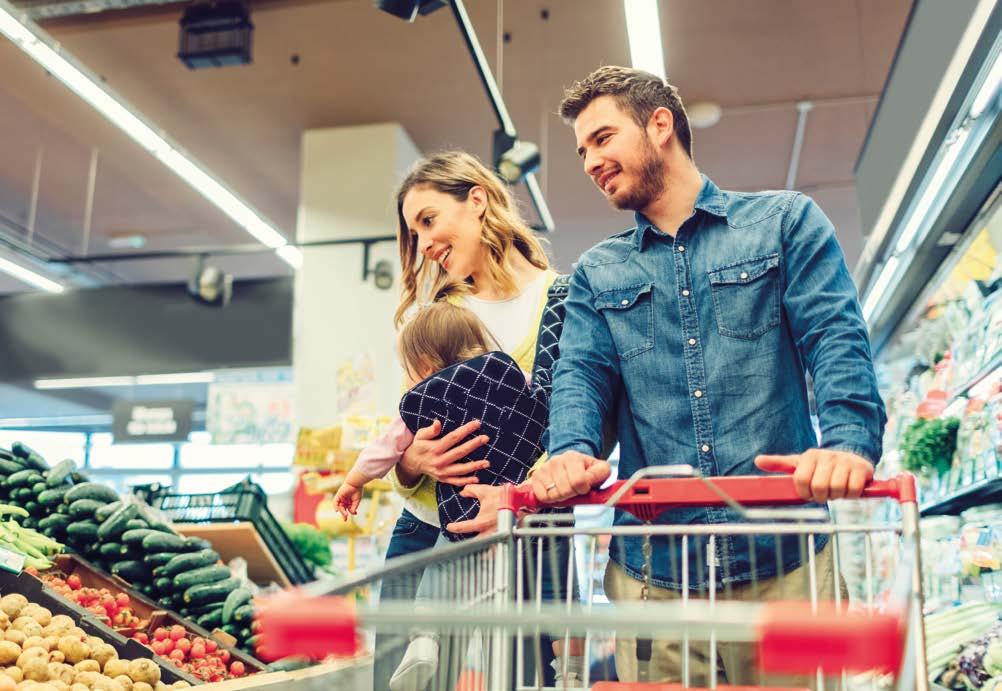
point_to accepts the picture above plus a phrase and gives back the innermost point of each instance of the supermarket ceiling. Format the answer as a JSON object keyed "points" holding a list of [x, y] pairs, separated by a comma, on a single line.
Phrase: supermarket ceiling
{"points": [[342, 62]]}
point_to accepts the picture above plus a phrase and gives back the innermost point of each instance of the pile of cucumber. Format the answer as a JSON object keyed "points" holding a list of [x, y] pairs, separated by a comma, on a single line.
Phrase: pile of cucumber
{"points": [[125, 538]]}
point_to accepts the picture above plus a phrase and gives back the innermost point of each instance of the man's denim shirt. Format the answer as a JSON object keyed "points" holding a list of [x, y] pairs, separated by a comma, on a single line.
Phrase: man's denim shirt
{"points": [[699, 345]]}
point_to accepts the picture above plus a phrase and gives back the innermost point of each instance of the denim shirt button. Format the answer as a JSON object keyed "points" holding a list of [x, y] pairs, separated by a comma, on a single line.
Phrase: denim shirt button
{"points": [[698, 394], [744, 274], [705, 448], [685, 293], [681, 248], [624, 303], [692, 341]]}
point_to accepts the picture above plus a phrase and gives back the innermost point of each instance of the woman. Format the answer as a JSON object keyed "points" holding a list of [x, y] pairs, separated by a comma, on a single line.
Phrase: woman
{"points": [[462, 239]]}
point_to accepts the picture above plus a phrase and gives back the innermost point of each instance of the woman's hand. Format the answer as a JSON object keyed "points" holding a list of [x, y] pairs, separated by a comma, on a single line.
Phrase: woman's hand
{"points": [[436, 457]]}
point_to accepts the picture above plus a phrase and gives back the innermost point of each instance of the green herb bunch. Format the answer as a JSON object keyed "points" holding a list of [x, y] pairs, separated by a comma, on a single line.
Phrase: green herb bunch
{"points": [[929, 445]]}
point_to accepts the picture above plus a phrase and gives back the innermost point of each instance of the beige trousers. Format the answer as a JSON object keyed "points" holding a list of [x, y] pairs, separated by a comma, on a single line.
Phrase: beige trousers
{"points": [[735, 662]]}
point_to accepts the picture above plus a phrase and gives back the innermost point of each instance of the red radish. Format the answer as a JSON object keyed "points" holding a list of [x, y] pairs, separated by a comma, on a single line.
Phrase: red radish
{"points": [[73, 581], [142, 637], [237, 668], [183, 644], [198, 651], [177, 632], [122, 599], [168, 646], [158, 648], [177, 655], [224, 655], [160, 634], [210, 646]]}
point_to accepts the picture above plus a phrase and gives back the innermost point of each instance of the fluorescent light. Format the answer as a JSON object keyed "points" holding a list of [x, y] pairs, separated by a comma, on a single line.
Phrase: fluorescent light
{"points": [[29, 276], [38, 45], [291, 255], [880, 287], [643, 26], [988, 89], [933, 191], [83, 382], [178, 378], [138, 380]]}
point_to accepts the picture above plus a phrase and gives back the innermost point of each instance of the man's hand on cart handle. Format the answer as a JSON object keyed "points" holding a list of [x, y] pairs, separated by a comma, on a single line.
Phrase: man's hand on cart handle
{"points": [[822, 474], [568, 475]]}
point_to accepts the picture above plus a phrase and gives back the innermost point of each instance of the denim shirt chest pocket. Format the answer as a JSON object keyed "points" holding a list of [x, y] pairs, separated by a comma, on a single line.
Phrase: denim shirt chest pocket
{"points": [[629, 312], [746, 297]]}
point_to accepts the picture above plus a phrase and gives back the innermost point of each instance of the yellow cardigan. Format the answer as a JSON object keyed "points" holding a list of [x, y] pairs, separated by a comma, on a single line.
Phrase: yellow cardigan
{"points": [[423, 493]]}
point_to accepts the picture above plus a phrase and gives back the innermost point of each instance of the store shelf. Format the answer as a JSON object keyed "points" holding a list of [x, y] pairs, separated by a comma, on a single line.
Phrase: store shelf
{"points": [[982, 492], [983, 374]]}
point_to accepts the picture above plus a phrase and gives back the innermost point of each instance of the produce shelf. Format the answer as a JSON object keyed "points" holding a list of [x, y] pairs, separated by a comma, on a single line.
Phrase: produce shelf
{"points": [[976, 494]]}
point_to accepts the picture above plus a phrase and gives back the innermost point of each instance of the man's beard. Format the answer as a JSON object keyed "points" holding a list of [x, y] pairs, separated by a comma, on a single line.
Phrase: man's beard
{"points": [[651, 185]]}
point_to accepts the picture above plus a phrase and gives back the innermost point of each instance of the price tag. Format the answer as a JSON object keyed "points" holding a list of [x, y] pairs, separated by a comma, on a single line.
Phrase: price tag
{"points": [[11, 561]]}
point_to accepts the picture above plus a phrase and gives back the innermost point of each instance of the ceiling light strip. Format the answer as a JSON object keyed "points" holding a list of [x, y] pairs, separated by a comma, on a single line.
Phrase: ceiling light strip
{"points": [[643, 26], [28, 276], [138, 380], [46, 52]]}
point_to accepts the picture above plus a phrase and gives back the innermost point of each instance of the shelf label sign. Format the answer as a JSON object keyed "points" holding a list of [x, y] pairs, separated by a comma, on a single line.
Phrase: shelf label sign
{"points": [[151, 421]]}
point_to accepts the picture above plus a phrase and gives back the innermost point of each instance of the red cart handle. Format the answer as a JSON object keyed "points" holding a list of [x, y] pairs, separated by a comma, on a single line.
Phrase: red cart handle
{"points": [[648, 498]]}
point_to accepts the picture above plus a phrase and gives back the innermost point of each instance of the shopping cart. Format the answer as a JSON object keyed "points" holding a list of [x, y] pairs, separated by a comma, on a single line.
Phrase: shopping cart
{"points": [[483, 602]]}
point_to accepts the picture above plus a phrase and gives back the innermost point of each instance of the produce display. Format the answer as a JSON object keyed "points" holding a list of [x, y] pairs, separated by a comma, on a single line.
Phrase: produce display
{"points": [[127, 539]]}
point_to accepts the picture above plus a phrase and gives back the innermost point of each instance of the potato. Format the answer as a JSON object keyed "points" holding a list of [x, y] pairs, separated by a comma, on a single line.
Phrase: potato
{"points": [[4, 621], [59, 625], [38, 613], [79, 687], [74, 649], [87, 666], [51, 642], [6, 683], [60, 685], [32, 654], [141, 686], [14, 636], [116, 667], [103, 653], [14, 673], [35, 642], [12, 604], [56, 656], [43, 687], [180, 684], [36, 669], [144, 670], [9, 652], [124, 681], [60, 672], [28, 626], [88, 679], [103, 683]]}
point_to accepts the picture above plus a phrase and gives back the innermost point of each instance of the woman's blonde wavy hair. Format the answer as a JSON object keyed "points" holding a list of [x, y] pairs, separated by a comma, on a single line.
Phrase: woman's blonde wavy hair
{"points": [[455, 173]]}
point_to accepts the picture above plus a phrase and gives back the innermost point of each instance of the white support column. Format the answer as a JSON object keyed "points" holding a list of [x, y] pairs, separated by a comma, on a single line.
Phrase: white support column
{"points": [[344, 353]]}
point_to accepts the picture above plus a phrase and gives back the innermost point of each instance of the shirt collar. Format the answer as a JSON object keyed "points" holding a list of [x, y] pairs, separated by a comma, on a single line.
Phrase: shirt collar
{"points": [[710, 199]]}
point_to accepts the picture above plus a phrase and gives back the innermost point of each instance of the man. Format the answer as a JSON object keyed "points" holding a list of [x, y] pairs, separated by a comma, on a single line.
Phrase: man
{"points": [[696, 329]]}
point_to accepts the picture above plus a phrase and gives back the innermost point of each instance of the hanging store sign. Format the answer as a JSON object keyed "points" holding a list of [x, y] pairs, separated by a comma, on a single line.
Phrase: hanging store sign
{"points": [[151, 421]]}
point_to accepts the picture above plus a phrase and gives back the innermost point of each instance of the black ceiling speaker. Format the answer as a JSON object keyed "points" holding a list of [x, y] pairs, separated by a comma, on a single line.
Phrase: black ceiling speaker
{"points": [[215, 34], [409, 9]]}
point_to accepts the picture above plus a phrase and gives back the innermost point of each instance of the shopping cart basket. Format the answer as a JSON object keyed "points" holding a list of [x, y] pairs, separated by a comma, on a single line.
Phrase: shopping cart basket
{"points": [[484, 604]]}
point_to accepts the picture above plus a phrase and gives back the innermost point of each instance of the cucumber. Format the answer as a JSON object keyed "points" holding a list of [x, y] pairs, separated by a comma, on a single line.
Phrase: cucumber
{"points": [[52, 497], [136, 524], [31, 523], [194, 544], [231, 629], [213, 592], [34, 508], [39, 487], [37, 462], [85, 508], [91, 490], [106, 511], [55, 520], [237, 598], [60, 473], [163, 585], [10, 467], [211, 620], [109, 549], [82, 531], [201, 576], [24, 478], [157, 541], [158, 559], [191, 560], [127, 552], [113, 526], [243, 615], [22, 494], [289, 664], [131, 570], [78, 478], [135, 536], [21, 450]]}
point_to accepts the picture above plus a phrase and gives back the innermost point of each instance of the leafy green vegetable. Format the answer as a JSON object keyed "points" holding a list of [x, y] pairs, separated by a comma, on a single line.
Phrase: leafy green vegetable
{"points": [[928, 445], [313, 545]]}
